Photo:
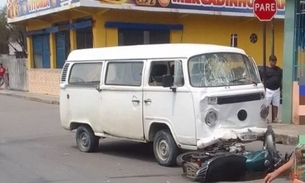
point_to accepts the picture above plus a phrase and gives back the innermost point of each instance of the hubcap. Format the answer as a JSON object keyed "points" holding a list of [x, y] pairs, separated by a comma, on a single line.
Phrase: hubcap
{"points": [[163, 150], [84, 140]]}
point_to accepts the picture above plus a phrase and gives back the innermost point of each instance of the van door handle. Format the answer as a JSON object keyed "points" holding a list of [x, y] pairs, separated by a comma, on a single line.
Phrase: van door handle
{"points": [[134, 100], [147, 101]]}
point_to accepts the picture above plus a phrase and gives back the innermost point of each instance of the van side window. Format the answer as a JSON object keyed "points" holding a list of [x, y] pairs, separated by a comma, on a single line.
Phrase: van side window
{"points": [[160, 68], [124, 73], [85, 74]]}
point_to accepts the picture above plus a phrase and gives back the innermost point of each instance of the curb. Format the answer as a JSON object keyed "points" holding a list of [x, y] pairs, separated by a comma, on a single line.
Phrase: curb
{"points": [[36, 99], [285, 139]]}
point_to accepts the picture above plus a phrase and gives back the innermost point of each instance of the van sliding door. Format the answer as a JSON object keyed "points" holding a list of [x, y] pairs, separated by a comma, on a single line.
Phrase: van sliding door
{"points": [[121, 103]]}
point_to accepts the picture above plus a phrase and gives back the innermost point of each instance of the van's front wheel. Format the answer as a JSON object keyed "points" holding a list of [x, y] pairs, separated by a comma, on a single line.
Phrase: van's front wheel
{"points": [[165, 148], [85, 139]]}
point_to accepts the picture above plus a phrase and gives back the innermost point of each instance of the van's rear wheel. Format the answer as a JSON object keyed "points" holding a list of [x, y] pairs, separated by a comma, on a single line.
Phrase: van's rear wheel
{"points": [[165, 148], [86, 140]]}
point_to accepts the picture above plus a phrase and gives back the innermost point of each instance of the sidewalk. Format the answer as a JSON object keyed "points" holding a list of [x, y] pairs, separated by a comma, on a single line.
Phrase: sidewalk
{"points": [[49, 99], [285, 134]]}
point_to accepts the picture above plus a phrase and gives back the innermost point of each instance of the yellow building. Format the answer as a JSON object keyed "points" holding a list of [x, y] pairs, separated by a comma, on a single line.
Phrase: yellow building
{"points": [[55, 27]]}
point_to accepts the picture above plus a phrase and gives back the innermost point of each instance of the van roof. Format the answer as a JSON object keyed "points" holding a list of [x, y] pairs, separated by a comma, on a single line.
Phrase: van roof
{"points": [[152, 51]]}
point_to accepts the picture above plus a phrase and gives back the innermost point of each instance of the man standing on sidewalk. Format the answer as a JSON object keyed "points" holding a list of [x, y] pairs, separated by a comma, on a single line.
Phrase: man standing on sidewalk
{"points": [[273, 85], [2, 73]]}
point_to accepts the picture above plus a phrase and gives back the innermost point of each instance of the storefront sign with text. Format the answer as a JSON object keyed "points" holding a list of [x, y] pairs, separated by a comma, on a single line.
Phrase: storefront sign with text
{"points": [[234, 6], [18, 8]]}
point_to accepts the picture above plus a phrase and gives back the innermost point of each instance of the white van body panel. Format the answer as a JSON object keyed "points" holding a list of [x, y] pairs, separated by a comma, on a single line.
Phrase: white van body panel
{"points": [[80, 104], [175, 109], [119, 115], [121, 111], [64, 104], [228, 122]]}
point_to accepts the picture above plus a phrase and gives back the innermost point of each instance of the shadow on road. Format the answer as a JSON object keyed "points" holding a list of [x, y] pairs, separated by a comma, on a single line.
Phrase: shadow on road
{"points": [[258, 176], [127, 149], [253, 176]]}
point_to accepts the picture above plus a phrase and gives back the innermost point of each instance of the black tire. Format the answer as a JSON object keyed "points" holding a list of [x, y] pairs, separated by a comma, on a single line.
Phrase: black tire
{"points": [[164, 139], [192, 156], [185, 157], [86, 140]]}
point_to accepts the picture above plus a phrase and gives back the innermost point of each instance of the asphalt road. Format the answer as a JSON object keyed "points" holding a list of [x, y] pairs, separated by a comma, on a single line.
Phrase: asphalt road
{"points": [[35, 149]]}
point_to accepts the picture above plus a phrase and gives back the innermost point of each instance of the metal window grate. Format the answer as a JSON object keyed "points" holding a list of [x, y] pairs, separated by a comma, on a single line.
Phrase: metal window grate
{"points": [[64, 72]]}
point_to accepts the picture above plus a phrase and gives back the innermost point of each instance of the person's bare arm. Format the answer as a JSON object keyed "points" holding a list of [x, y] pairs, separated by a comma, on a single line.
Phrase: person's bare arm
{"points": [[287, 166], [297, 181]]}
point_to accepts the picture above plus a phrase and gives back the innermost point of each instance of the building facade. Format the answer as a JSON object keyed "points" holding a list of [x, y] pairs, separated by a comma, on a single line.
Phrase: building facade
{"points": [[294, 63], [56, 27]]}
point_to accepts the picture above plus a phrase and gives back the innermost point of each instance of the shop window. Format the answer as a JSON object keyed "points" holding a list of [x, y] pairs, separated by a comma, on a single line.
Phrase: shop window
{"points": [[62, 47], [126, 74], [84, 38], [41, 50], [160, 68], [86, 74], [138, 37], [159, 37], [62, 43]]}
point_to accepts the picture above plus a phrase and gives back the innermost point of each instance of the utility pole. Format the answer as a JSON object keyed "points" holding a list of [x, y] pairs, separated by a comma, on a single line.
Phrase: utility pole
{"points": [[272, 37], [272, 52]]}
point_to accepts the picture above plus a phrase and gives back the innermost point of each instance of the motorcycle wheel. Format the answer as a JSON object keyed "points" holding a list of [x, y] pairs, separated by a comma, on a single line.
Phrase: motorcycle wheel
{"points": [[269, 142], [193, 156]]}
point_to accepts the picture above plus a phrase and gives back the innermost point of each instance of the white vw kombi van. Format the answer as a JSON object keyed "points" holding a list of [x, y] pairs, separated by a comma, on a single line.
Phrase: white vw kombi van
{"points": [[178, 96]]}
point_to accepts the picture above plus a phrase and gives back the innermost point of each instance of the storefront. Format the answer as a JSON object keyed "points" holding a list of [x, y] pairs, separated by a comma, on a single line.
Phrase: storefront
{"points": [[56, 27], [294, 63]]}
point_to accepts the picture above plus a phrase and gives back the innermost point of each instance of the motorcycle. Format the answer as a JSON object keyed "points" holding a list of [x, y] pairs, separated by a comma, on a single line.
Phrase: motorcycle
{"points": [[231, 162]]}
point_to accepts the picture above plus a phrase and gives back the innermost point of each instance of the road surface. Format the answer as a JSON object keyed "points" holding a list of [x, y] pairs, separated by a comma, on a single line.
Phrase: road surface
{"points": [[34, 148]]}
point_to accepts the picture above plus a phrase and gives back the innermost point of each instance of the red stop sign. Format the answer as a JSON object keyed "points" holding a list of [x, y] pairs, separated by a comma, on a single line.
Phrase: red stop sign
{"points": [[265, 10]]}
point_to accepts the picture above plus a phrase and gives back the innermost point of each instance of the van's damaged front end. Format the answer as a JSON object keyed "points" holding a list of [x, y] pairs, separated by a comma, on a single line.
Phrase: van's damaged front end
{"points": [[231, 116], [229, 98]]}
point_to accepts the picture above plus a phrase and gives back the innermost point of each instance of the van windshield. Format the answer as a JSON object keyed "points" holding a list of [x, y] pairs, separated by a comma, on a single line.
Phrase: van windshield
{"points": [[221, 69]]}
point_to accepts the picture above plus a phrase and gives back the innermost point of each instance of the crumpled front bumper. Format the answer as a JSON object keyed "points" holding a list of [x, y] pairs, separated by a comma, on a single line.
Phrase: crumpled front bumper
{"points": [[230, 134]]}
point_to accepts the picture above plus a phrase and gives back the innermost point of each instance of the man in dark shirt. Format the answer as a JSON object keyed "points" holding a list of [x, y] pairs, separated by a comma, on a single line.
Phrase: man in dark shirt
{"points": [[273, 85]]}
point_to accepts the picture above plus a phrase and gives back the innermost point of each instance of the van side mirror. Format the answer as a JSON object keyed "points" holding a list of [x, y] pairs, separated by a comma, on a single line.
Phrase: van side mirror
{"points": [[167, 80]]}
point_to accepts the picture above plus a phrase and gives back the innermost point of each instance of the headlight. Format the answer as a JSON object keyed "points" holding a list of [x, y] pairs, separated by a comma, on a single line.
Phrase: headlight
{"points": [[212, 100], [264, 112], [211, 118]]}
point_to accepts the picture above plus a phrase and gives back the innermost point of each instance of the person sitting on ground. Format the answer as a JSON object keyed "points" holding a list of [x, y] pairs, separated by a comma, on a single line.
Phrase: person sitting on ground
{"points": [[295, 165], [287, 166]]}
